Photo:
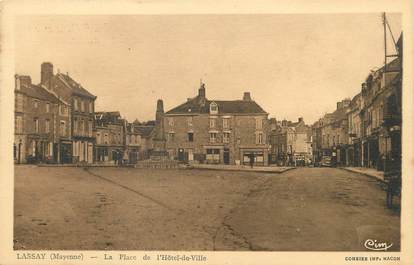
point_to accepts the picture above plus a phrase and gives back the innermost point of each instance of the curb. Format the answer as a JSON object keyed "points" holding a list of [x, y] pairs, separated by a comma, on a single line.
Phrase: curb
{"points": [[242, 170], [362, 173]]}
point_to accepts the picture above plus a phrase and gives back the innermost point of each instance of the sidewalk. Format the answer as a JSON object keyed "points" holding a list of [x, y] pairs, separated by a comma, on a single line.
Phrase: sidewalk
{"points": [[81, 165], [370, 172], [268, 169]]}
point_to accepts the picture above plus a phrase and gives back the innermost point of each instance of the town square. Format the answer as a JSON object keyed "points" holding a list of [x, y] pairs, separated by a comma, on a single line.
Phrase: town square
{"points": [[210, 133]]}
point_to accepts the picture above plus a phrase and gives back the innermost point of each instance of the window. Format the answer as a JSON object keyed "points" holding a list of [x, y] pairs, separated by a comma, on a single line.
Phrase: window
{"points": [[82, 127], [75, 126], [47, 126], [36, 125], [19, 124], [190, 121], [212, 122], [171, 136], [36, 104], [90, 107], [190, 137], [171, 122], [213, 108], [47, 107], [19, 102], [259, 138], [226, 137], [62, 128], [106, 138], [75, 104], [90, 129], [226, 123], [62, 110], [98, 138], [82, 106], [132, 139], [213, 137]]}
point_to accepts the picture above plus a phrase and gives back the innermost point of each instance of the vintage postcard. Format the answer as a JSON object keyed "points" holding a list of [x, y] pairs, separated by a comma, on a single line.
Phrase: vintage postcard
{"points": [[158, 132]]}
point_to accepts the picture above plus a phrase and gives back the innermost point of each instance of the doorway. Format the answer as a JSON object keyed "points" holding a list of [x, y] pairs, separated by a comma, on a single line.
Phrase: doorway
{"points": [[226, 156]]}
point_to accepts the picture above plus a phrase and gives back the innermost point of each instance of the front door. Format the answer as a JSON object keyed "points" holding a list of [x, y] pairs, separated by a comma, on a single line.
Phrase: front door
{"points": [[181, 156], [66, 153], [190, 155], [226, 156]]}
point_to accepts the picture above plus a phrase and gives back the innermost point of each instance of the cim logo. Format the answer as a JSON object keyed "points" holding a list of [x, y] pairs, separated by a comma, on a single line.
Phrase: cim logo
{"points": [[375, 245]]}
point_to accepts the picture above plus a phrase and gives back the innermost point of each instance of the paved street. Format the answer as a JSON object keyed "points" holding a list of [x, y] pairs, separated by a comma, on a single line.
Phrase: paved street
{"points": [[140, 209]]}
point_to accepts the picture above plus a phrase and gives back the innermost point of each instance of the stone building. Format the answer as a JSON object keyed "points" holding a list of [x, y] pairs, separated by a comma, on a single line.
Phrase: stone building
{"points": [[381, 116], [330, 134], [41, 124], [110, 135], [353, 151], [217, 131], [139, 140], [82, 107], [291, 142]]}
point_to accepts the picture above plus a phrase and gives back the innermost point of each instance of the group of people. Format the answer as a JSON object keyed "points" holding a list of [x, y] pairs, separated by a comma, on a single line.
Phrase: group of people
{"points": [[120, 157]]}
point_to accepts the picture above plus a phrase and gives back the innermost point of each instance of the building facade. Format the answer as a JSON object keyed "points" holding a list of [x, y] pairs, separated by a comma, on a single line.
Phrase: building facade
{"points": [[291, 142], [40, 123], [110, 137], [82, 107], [216, 131]]}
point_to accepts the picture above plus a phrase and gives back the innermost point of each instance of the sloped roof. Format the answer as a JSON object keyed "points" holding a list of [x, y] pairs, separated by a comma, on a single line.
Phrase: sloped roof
{"points": [[144, 130], [38, 92], [76, 87], [198, 105]]}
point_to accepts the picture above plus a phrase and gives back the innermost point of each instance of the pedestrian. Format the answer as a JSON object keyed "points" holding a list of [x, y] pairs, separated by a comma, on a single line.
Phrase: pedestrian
{"points": [[251, 160], [120, 155]]}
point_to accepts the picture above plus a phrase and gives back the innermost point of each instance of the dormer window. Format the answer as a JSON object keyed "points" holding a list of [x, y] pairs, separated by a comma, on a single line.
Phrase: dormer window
{"points": [[213, 108]]}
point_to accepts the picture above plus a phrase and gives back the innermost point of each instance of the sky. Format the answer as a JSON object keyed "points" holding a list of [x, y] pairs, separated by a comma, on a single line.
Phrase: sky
{"points": [[294, 65]]}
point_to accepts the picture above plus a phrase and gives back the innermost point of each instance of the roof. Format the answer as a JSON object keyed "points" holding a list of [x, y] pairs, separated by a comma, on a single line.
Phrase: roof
{"points": [[200, 105], [144, 130], [112, 117], [38, 92], [76, 87]]}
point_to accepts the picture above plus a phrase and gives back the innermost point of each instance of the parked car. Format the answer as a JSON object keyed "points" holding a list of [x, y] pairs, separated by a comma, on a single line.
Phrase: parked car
{"points": [[326, 161]]}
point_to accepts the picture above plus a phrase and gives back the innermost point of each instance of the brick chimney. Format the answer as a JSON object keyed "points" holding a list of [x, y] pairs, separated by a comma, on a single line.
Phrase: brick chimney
{"points": [[246, 96], [46, 73], [22, 80], [300, 119]]}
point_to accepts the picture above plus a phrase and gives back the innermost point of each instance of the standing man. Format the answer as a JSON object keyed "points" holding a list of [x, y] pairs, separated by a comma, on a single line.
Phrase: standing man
{"points": [[251, 160]]}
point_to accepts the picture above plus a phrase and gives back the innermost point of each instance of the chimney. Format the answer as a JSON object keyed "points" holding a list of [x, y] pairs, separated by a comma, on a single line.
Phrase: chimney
{"points": [[22, 80], [300, 119], [338, 105], [46, 73], [246, 96], [202, 91], [160, 106]]}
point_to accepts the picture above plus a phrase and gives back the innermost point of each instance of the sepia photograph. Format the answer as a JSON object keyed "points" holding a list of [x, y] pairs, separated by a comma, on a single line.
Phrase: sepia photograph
{"points": [[192, 136], [208, 132]]}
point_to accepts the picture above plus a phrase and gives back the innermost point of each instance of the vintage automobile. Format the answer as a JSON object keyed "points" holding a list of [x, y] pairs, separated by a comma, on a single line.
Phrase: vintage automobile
{"points": [[326, 161]]}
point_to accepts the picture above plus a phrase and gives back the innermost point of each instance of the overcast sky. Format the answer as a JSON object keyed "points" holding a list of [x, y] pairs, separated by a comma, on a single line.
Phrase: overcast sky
{"points": [[293, 65]]}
